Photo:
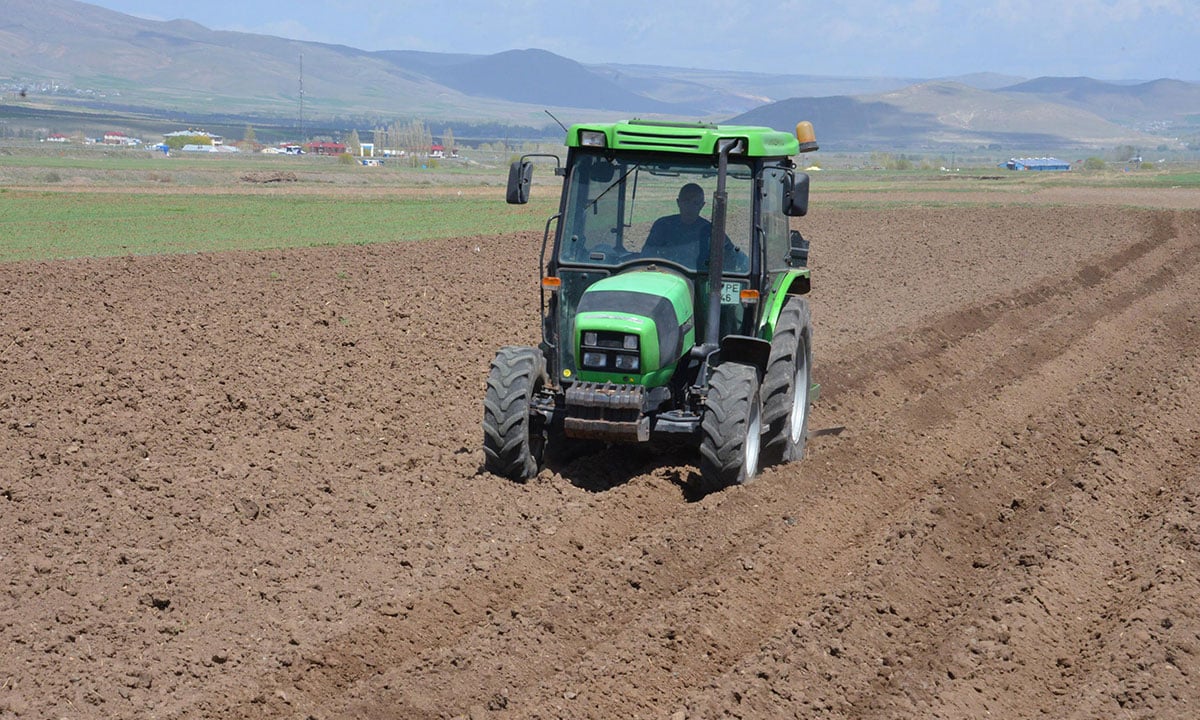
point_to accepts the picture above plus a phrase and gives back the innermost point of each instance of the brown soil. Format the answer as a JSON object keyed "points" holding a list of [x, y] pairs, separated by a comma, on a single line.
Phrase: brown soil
{"points": [[247, 485]]}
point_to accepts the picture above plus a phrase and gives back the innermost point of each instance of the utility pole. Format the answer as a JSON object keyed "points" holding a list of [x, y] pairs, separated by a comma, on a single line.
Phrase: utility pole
{"points": [[302, 136]]}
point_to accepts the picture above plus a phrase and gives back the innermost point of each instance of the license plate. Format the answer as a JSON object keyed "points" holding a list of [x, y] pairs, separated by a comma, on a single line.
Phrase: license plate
{"points": [[731, 293]]}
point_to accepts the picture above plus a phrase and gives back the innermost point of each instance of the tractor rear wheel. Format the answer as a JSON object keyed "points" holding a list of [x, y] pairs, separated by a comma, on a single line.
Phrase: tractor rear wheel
{"points": [[732, 426], [514, 440], [786, 384]]}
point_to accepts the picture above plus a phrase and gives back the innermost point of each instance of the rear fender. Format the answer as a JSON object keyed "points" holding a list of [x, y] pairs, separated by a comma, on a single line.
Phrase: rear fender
{"points": [[786, 284]]}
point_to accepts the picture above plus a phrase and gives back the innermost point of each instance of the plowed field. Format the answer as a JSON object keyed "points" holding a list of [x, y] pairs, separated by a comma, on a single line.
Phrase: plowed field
{"points": [[247, 485]]}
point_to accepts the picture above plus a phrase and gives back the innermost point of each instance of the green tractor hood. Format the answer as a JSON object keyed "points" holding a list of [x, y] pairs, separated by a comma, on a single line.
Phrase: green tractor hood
{"points": [[634, 327]]}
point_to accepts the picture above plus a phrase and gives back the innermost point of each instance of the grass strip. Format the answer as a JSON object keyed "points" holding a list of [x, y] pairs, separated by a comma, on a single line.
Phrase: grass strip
{"points": [[48, 225]]}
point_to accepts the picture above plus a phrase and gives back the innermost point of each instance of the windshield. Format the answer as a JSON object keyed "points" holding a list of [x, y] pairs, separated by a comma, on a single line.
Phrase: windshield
{"points": [[626, 209]]}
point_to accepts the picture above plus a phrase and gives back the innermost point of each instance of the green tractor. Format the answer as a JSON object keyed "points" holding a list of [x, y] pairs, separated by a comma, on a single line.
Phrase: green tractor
{"points": [[659, 325]]}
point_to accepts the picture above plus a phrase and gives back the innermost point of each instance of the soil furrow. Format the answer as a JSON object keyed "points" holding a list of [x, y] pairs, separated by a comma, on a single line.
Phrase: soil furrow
{"points": [[967, 599], [246, 485], [655, 626], [1065, 579]]}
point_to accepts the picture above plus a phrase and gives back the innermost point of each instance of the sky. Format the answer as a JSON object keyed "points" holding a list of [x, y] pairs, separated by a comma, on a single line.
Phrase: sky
{"points": [[1118, 40]]}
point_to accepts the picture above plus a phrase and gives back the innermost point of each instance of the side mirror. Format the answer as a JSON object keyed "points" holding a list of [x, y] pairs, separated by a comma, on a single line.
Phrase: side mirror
{"points": [[795, 200], [520, 174]]}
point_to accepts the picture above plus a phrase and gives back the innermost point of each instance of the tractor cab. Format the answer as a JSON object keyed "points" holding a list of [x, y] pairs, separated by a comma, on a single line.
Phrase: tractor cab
{"points": [[641, 215], [671, 256]]}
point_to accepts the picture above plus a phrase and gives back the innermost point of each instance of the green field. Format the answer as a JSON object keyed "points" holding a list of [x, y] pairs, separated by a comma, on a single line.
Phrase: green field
{"points": [[79, 203], [47, 225]]}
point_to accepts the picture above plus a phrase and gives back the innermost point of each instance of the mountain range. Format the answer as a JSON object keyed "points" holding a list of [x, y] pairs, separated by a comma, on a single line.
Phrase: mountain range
{"points": [[75, 56]]}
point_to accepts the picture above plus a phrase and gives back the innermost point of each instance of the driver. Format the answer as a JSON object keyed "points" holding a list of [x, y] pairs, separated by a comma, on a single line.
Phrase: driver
{"points": [[685, 237]]}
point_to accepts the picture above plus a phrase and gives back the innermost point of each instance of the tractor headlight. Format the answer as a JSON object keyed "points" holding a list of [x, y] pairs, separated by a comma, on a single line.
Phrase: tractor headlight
{"points": [[629, 363], [631, 342], [593, 138], [595, 359], [590, 339]]}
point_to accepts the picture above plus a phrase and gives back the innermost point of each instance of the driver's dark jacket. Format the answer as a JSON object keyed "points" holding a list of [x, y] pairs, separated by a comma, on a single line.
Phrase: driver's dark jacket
{"points": [[687, 245]]}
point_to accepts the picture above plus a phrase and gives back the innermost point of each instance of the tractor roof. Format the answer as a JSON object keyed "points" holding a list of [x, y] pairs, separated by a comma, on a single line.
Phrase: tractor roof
{"points": [[682, 138]]}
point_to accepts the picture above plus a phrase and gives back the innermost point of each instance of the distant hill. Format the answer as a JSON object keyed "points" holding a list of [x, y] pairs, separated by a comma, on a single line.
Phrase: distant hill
{"points": [[560, 82], [946, 114], [985, 80], [70, 56], [725, 92], [83, 52], [1155, 101]]}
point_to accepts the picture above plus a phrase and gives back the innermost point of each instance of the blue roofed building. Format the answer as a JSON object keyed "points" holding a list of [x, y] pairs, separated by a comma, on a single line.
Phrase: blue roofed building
{"points": [[1041, 163]]}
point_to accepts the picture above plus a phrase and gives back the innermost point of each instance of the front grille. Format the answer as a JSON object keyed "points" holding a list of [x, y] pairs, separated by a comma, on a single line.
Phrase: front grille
{"points": [[646, 140]]}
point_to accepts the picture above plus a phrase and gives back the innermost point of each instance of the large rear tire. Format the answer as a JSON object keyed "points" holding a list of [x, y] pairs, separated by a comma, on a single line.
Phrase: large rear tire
{"points": [[786, 384], [732, 426], [514, 440]]}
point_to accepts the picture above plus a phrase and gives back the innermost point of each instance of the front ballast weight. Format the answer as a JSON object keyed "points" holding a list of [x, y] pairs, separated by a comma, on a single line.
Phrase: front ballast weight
{"points": [[711, 346], [606, 411]]}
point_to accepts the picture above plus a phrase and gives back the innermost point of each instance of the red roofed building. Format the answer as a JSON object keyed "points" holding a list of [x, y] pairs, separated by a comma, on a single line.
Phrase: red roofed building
{"points": [[326, 148]]}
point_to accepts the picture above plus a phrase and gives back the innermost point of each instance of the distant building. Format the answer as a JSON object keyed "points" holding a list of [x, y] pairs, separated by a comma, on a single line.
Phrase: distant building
{"points": [[116, 137], [326, 148], [193, 147], [437, 151], [1041, 163], [56, 137]]}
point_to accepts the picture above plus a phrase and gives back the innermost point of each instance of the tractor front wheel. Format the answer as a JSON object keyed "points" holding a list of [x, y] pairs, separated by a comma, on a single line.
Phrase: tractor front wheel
{"points": [[513, 439], [732, 426]]}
